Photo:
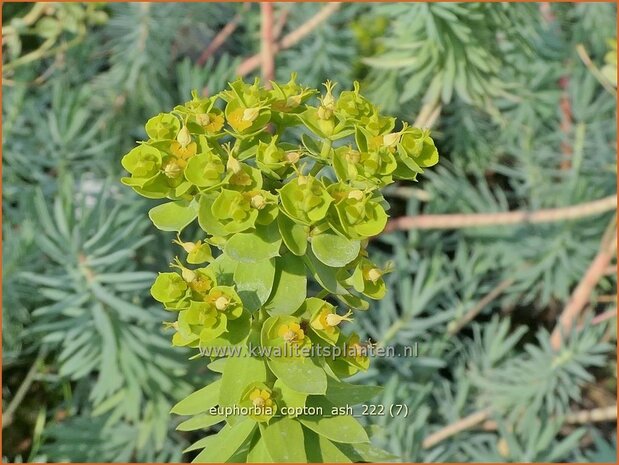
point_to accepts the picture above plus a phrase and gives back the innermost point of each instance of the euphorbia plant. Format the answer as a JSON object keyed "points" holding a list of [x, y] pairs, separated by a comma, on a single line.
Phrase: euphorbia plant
{"points": [[273, 214]]}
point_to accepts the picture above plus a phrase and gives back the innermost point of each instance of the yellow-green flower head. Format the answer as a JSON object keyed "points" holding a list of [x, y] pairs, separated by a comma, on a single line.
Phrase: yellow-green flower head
{"points": [[324, 319], [356, 353], [372, 168], [305, 200], [265, 203], [163, 126], [197, 252], [205, 170], [143, 163], [225, 300], [327, 102], [292, 333], [234, 211], [258, 399], [415, 151], [240, 176], [274, 160], [199, 324], [356, 213], [290, 96], [169, 287], [353, 106], [200, 280]]}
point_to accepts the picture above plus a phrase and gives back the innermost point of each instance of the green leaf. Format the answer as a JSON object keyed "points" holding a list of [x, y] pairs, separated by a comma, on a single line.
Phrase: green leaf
{"points": [[218, 365], [366, 453], [294, 234], [334, 250], [240, 372], [301, 375], [254, 247], [224, 267], [325, 275], [340, 393], [284, 440], [289, 287], [289, 398], [226, 443], [337, 428], [173, 216], [200, 401], [201, 421], [320, 450], [258, 452], [254, 282]]}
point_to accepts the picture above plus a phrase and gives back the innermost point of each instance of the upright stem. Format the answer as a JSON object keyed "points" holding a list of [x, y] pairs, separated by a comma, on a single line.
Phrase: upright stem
{"points": [[267, 49]]}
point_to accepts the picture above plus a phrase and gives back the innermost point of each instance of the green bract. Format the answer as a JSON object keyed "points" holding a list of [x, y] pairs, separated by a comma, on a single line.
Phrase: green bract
{"points": [[274, 211]]}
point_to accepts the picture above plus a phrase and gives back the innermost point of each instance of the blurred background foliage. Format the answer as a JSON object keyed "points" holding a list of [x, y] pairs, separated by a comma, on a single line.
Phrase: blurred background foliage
{"points": [[521, 99]]}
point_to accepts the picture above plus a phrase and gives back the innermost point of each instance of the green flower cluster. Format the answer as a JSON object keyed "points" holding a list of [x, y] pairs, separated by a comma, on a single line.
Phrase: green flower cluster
{"points": [[274, 212]]}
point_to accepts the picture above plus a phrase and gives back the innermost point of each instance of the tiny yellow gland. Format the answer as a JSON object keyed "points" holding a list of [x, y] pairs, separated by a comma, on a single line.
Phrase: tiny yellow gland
{"points": [[172, 169], [203, 119], [292, 157], [250, 114], [261, 398], [258, 202], [293, 101], [373, 275], [333, 319], [222, 303], [233, 165], [188, 246], [184, 137], [353, 157], [188, 275], [355, 194], [391, 139], [291, 333]]}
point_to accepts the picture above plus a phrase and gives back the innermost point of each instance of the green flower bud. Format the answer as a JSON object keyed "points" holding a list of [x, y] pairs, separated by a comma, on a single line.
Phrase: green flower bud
{"points": [[324, 320], [234, 212], [205, 170], [143, 162], [305, 199], [355, 214], [290, 96], [169, 287], [184, 137], [197, 252], [416, 151], [162, 126], [367, 279]]}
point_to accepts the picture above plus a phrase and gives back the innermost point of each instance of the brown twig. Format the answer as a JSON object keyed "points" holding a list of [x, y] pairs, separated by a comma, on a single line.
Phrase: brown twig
{"points": [[566, 124], [586, 59], [580, 296], [465, 423], [253, 62], [221, 37], [607, 315], [280, 23], [483, 303], [579, 417], [267, 53], [601, 414], [456, 221], [428, 114]]}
